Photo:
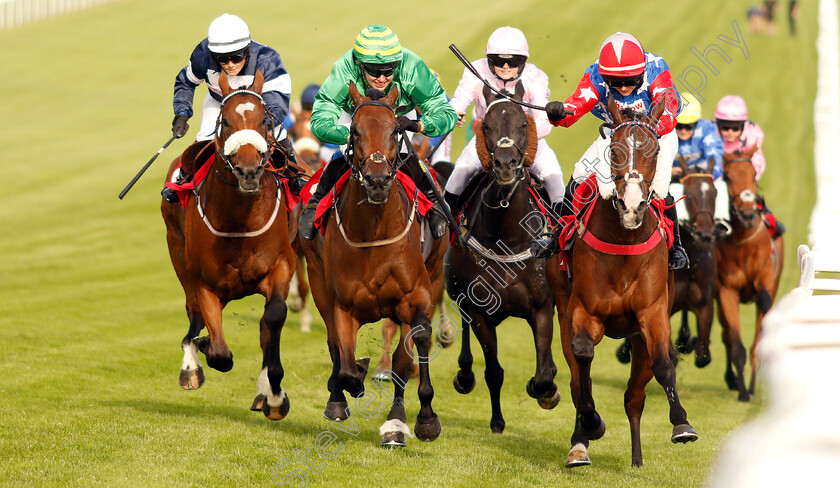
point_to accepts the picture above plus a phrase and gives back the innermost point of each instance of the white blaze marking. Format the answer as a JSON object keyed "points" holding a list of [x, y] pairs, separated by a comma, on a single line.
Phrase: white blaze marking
{"points": [[245, 107]]}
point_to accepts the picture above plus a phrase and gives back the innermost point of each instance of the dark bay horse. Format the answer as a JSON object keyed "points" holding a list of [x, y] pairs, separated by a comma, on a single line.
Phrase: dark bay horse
{"points": [[749, 266], [230, 242], [370, 265], [494, 276], [621, 291]]}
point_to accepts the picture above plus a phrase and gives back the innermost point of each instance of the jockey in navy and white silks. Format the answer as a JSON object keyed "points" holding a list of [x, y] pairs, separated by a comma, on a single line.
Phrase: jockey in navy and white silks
{"points": [[229, 40], [506, 64]]}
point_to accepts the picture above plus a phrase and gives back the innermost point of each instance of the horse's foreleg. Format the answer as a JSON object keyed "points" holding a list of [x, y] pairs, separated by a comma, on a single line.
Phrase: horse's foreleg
{"points": [[427, 428], [634, 396], [683, 342], [542, 386], [592, 426], [705, 316], [350, 376], [763, 302], [215, 348], [464, 380], [656, 332], [271, 398], [192, 374], [494, 374], [728, 314], [395, 430], [578, 455]]}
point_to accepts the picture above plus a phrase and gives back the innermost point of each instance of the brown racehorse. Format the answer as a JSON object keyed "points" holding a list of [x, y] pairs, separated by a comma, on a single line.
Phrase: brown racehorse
{"points": [[494, 276], [749, 266], [231, 242], [621, 294], [369, 265]]}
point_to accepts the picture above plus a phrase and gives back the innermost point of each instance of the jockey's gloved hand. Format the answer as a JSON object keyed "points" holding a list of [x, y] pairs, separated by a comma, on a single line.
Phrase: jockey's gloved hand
{"points": [[556, 111], [179, 126], [406, 124]]}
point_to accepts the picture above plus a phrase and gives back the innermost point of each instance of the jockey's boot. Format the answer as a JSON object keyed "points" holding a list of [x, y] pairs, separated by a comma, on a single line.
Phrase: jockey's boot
{"points": [[780, 227], [332, 171], [169, 194], [567, 207], [435, 216], [451, 200], [548, 244], [677, 258]]}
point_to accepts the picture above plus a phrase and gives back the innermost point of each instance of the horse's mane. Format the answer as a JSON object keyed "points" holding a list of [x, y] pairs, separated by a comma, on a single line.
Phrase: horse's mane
{"points": [[484, 155]]}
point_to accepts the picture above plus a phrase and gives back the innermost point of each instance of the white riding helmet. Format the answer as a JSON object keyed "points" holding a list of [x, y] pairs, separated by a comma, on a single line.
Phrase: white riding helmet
{"points": [[227, 34], [507, 40]]}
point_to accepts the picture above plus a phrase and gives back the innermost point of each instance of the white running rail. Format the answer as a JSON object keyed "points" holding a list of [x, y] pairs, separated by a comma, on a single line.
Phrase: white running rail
{"points": [[14, 13]]}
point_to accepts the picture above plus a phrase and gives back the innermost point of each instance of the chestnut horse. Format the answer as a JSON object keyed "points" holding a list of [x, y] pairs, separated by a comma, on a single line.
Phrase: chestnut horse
{"points": [[369, 265], [494, 276], [621, 291], [695, 286], [230, 242], [749, 266]]}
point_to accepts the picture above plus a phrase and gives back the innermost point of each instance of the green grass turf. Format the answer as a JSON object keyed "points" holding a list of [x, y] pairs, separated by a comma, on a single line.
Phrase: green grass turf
{"points": [[92, 314]]}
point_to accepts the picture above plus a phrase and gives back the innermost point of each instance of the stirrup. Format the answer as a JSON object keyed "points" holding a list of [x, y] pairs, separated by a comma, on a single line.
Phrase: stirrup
{"points": [[677, 258], [545, 246]]}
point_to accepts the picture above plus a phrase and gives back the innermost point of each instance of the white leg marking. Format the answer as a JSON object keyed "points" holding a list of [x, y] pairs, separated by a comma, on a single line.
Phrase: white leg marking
{"points": [[394, 426], [191, 361], [264, 388]]}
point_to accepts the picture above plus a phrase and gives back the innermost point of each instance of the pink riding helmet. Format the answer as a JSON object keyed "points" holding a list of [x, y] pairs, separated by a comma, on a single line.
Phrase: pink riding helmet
{"points": [[507, 40], [731, 107]]}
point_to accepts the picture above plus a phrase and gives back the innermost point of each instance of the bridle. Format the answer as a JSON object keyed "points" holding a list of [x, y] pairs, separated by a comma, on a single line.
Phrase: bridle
{"points": [[701, 211], [744, 196], [359, 172], [505, 142], [225, 152], [633, 175]]}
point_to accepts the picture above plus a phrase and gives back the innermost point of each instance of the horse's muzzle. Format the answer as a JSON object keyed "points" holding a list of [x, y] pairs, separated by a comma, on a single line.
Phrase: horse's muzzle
{"points": [[249, 180], [377, 188]]}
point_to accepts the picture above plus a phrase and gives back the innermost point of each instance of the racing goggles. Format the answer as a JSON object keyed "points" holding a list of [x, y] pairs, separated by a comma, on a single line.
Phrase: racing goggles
{"points": [[621, 82], [377, 70], [512, 60]]}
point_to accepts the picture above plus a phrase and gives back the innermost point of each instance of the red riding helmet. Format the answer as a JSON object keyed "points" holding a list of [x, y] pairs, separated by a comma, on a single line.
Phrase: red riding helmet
{"points": [[622, 55]]}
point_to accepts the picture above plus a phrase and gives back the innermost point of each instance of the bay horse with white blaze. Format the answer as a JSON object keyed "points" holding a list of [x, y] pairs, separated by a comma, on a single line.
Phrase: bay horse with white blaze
{"points": [[624, 289], [750, 264], [494, 275], [231, 241], [369, 265]]}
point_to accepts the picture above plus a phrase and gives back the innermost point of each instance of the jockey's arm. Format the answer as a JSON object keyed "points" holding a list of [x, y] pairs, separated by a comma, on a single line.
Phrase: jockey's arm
{"points": [[663, 88], [581, 102]]}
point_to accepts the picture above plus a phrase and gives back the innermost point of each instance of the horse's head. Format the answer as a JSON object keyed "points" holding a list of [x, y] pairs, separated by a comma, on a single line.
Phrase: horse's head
{"points": [[307, 146], [700, 194], [374, 142], [632, 154], [242, 133], [739, 173], [504, 143]]}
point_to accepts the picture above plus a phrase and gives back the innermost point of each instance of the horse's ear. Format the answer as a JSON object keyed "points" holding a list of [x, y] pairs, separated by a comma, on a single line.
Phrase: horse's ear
{"points": [[223, 84], [489, 96], [729, 156], [258, 82], [355, 96], [749, 152], [393, 95], [519, 91], [613, 109], [659, 109]]}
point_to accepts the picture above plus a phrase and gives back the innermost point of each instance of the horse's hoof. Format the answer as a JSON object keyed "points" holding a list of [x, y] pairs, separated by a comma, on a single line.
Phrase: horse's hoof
{"points": [[550, 401], [683, 344], [497, 426], [257, 406], [428, 432], [595, 433], [191, 379], [744, 397], [578, 457], [382, 375], [622, 353], [220, 363], [393, 439], [683, 434], [279, 412], [702, 361], [465, 386], [446, 331], [731, 380], [336, 411]]}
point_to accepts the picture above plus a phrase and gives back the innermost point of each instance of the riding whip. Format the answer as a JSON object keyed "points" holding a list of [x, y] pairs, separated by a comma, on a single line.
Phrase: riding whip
{"points": [[472, 69], [144, 168]]}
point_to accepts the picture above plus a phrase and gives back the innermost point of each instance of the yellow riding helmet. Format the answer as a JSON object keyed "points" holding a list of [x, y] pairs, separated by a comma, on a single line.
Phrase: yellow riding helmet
{"points": [[691, 110]]}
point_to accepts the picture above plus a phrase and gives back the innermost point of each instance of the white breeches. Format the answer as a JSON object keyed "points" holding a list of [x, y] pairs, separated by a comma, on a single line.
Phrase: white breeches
{"points": [[668, 145], [210, 112], [721, 200], [545, 167]]}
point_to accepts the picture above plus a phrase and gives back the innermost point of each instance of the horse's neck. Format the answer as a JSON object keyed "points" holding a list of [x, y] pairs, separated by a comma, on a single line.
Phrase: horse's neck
{"points": [[504, 223], [605, 223], [363, 221], [742, 233]]}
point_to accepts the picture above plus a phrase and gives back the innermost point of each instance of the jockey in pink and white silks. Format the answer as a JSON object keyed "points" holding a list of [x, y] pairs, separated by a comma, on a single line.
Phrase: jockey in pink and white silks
{"points": [[505, 65], [739, 134], [637, 80]]}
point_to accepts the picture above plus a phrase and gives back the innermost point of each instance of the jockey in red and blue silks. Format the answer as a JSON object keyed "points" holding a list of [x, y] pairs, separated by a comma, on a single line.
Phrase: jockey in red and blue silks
{"points": [[637, 80]]}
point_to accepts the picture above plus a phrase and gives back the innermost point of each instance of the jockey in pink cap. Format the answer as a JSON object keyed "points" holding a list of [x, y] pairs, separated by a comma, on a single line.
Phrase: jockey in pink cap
{"points": [[637, 80], [504, 66], [739, 134]]}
